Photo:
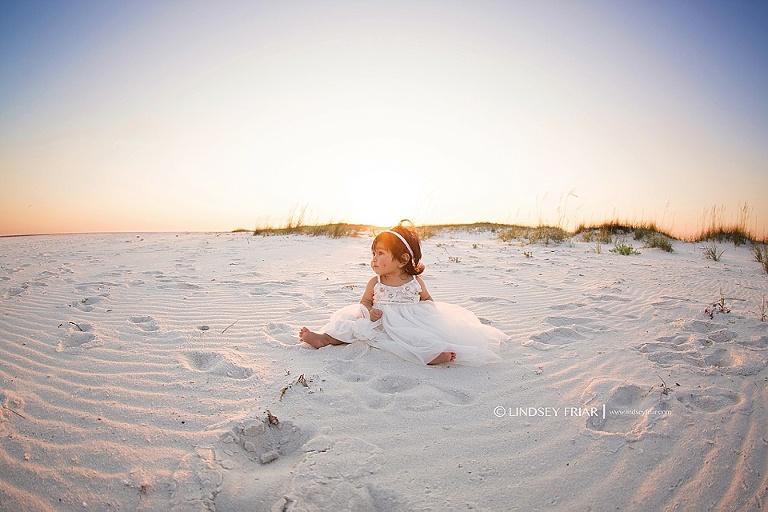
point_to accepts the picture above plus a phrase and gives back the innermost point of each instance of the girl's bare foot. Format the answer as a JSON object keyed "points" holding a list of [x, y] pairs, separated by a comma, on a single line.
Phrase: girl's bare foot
{"points": [[445, 357], [315, 339]]}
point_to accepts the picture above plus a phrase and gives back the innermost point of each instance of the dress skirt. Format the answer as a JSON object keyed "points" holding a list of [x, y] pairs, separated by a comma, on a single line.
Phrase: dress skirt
{"points": [[419, 332]]}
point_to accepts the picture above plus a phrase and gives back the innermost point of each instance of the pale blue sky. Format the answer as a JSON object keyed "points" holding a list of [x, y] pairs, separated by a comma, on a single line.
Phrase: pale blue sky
{"points": [[164, 115]]}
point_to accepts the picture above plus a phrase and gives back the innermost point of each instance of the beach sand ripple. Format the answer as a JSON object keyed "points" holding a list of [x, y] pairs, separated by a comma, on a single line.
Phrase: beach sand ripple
{"points": [[164, 372]]}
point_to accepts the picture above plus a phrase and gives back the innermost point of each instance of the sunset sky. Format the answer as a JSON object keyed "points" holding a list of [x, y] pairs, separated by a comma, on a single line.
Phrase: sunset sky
{"points": [[215, 115]]}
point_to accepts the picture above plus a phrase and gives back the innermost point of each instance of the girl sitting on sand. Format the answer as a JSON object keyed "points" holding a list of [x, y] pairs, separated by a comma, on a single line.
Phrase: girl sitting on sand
{"points": [[397, 313]]}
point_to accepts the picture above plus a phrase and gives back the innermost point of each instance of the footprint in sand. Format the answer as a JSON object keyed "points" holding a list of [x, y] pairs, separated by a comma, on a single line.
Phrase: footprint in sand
{"points": [[170, 282], [94, 287], [710, 400], [349, 372], [177, 284], [609, 298], [216, 364], [145, 323], [486, 299], [713, 359], [10, 404], [566, 330], [87, 304], [755, 342], [699, 326], [558, 336], [668, 350], [23, 287], [78, 336], [568, 306], [709, 347], [416, 395], [586, 325], [258, 292], [625, 411], [391, 384], [184, 266], [15, 291], [677, 342], [722, 336], [282, 333], [735, 360]]}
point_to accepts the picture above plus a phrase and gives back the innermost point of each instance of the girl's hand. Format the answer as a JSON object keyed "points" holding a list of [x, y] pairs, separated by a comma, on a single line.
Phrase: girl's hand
{"points": [[375, 315]]}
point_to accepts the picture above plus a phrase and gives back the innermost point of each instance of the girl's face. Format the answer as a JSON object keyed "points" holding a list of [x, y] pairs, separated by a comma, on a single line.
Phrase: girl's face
{"points": [[384, 263]]}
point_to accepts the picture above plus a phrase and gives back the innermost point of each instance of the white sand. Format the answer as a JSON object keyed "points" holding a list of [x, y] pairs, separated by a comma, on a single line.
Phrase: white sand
{"points": [[136, 370]]}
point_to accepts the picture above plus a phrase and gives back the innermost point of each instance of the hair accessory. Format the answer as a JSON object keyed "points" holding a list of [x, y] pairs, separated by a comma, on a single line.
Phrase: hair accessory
{"points": [[401, 237]]}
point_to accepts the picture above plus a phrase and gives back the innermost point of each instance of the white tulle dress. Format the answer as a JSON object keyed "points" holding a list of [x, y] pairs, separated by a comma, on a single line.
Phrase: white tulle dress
{"points": [[415, 330]]}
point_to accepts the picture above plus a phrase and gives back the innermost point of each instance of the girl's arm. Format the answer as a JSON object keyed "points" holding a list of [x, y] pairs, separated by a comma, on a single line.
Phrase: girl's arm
{"points": [[424, 293], [367, 299]]}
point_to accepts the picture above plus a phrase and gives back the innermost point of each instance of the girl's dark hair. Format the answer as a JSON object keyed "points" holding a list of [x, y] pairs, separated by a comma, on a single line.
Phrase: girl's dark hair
{"points": [[398, 249]]}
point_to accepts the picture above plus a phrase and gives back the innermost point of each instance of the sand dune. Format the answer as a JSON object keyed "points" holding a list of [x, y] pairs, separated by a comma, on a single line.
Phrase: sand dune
{"points": [[136, 372]]}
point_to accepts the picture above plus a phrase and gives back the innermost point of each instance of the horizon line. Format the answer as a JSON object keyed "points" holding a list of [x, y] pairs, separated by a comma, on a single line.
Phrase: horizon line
{"points": [[701, 234]]}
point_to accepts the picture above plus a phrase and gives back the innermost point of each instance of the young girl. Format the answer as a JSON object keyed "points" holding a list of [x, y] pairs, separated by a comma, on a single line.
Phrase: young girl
{"points": [[397, 313]]}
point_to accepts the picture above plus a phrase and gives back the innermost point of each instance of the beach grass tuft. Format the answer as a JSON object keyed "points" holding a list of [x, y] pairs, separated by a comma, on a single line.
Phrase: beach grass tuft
{"points": [[624, 249], [712, 252], [760, 252], [717, 307], [658, 241]]}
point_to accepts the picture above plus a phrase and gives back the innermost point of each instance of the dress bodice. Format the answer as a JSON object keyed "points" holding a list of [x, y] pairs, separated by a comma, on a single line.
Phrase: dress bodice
{"points": [[408, 293]]}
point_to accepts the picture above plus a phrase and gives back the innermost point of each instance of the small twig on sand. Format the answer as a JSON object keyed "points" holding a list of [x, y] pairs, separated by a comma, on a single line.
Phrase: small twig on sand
{"points": [[78, 327], [14, 412], [664, 388], [230, 325]]}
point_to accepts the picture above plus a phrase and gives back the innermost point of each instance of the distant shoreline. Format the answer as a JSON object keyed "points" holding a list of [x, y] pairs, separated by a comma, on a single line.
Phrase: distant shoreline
{"points": [[715, 231]]}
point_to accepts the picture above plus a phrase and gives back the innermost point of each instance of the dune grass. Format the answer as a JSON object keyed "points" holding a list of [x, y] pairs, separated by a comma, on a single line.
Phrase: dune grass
{"points": [[715, 231], [614, 232], [543, 234], [341, 229], [297, 225], [760, 252], [334, 230], [607, 232]]}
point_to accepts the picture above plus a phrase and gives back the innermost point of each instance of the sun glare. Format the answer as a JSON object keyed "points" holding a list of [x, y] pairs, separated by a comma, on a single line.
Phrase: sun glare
{"points": [[370, 199]]}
